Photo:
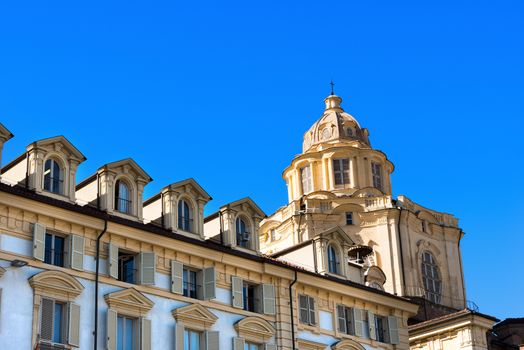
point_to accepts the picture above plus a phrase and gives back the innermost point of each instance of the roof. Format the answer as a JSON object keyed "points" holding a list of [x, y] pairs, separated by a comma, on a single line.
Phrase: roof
{"points": [[181, 183], [57, 139], [448, 317], [234, 203], [154, 229]]}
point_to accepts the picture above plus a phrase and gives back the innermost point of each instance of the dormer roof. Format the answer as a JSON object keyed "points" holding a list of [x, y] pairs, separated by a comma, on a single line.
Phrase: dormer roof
{"points": [[59, 142], [247, 201], [5, 134], [141, 173]]}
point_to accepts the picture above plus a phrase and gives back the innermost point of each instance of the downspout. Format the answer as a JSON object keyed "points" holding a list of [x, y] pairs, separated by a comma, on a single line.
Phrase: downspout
{"points": [[461, 269], [220, 225], [26, 170], [162, 219], [97, 257], [291, 309], [97, 190]]}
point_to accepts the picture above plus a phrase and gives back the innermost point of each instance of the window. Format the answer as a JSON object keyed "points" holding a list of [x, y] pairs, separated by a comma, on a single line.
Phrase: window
{"points": [[423, 225], [192, 339], [305, 174], [251, 346], [307, 310], [381, 329], [126, 333], [349, 131], [122, 197], [333, 260], [59, 323], [341, 171], [250, 294], [376, 171], [190, 278], [54, 249], [243, 236], [273, 235], [326, 133], [345, 319], [127, 267], [349, 218], [53, 177], [431, 278], [185, 216]]}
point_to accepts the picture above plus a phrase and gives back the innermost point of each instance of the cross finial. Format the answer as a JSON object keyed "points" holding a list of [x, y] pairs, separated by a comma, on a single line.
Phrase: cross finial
{"points": [[332, 87]]}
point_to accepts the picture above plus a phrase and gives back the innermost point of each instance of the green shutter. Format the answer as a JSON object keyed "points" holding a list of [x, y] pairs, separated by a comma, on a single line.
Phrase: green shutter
{"points": [[112, 316], [371, 326], [73, 334], [212, 340], [77, 253], [179, 337], [145, 334], [46, 319], [341, 319], [238, 344], [209, 282], [357, 322], [268, 297], [147, 268], [393, 330], [237, 292], [112, 261], [39, 241], [177, 277]]}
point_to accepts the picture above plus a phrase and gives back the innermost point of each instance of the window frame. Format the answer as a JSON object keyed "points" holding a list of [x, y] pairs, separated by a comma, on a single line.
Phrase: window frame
{"points": [[240, 241], [376, 175], [135, 274], [343, 172], [349, 218], [51, 250], [333, 259], [118, 199], [53, 179], [135, 328], [309, 310], [306, 179], [433, 294], [186, 271], [183, 223]]}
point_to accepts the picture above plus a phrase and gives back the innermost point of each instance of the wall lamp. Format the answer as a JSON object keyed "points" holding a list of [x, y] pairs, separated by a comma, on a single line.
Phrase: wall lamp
{"points": [[18, 263]]}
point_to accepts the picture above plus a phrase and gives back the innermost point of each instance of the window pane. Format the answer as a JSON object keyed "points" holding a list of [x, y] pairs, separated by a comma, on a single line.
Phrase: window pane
{"points": [[57, 323], [129, 334], [195, 341], [48, 249], [120, 333], [59, 251], [186, 340]]}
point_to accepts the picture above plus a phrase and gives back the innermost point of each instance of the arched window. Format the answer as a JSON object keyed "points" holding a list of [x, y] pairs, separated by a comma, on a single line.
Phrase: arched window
{"points": [[53, 178], [122, 197], [431, 278], [243, 234], [185, 216], [333, 260]]}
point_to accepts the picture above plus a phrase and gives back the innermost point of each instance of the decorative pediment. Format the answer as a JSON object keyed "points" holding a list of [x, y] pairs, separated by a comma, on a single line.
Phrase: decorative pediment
{"points": [[338, 234], [425, 245], [56, 284], [247, 204], [255, 329], [321, 195], [196, 316], [129, 301], [367, 192], [375, 274], [347, 344], [60, 145], [190, 186], [128, 166], [310, 345]]}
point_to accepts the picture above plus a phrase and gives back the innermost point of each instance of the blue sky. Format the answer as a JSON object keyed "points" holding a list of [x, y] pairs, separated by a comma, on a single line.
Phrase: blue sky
{"points": [[223, 92]]}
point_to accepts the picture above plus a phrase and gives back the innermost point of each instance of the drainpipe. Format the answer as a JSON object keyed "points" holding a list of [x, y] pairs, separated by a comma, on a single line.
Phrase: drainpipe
{"points": [[220, 224], [95, 332], [403, 279], [291, 309], [26, 170]]}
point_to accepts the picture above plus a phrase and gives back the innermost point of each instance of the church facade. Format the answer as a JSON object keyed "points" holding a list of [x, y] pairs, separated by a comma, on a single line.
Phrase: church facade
{"points": [[344, 265]]}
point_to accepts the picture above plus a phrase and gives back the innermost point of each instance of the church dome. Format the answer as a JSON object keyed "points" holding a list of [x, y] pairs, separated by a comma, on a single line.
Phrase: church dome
{"points": [[333, 127]]}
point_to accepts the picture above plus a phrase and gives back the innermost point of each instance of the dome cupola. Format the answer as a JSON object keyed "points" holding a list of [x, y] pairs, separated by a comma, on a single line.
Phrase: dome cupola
{"points": [[333, 127]]}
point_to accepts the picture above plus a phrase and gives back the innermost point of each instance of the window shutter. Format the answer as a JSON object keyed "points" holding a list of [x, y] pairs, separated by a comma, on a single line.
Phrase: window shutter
{"points": [[312, 315], [145, 334], [371, 326], [112, 316], [177, 277], [268, 297], [46, 320], [179, 337], [393, 330], [39, 241], [209, 282], [341, 317], [112, 263], [270, 347], [238, 344], [73, 334], [147, 268], [212, 340], [77, 253], [357, 322], [237, 292], [303, 306]]}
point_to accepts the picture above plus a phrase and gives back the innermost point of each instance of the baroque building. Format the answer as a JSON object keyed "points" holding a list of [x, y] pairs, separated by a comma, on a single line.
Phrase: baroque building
{"points": [[343, 266]]}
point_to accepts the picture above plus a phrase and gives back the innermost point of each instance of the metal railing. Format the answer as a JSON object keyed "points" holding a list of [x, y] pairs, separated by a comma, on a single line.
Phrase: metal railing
{"points": [[54, 257], [123, 205]]}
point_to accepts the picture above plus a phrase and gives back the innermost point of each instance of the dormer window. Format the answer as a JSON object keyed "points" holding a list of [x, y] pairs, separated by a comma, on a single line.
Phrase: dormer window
{"points": [[185, 216], [53, 177], [122, 197], [243, 235], [333, 260]]}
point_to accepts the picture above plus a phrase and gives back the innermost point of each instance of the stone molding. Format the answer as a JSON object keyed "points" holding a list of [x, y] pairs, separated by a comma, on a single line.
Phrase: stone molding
{"points": [[195, 316], [255, 329]]}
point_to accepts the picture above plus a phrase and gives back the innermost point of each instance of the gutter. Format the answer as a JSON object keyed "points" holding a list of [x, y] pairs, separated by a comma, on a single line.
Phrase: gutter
{"points": [[95, 332]]}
